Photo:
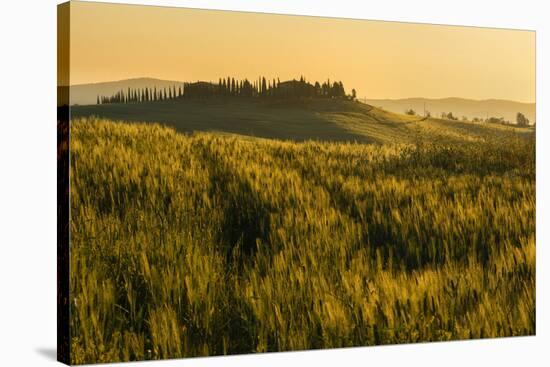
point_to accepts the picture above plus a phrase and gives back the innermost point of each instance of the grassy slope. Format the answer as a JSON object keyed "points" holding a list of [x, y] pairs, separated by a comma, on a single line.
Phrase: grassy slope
{"points": [[186, 245], [300, 120]]}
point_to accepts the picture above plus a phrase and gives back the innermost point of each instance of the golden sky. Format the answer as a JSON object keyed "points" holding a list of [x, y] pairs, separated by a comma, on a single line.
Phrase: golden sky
{"points": [[378, 59]]}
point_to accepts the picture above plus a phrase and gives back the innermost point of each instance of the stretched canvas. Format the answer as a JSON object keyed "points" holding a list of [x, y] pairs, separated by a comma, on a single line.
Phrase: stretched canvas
{"points": [[233, 182]]}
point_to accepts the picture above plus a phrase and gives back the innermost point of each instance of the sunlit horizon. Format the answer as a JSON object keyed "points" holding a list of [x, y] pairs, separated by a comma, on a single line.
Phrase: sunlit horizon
{"points": [[381, 60]]}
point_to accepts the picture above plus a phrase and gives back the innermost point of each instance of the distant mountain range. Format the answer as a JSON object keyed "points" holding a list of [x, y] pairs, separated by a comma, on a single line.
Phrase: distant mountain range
{"points": [[85, 94], [459, 107]]}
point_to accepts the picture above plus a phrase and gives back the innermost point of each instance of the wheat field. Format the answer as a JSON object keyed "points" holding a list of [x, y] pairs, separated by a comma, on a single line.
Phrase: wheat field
{"points": [[205, 244]]}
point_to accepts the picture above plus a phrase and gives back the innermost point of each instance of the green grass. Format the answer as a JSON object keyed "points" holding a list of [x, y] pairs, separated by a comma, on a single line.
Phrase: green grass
{"points": [[321, 119], [204, 244]]}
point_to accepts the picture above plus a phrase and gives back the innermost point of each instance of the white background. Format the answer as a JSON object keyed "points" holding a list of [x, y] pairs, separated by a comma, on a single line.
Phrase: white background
{"points": [[28, 183]]}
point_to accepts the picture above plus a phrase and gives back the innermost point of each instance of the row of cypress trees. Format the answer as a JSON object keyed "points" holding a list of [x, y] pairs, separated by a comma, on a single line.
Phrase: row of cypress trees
{"points": [[232, 87], [142, 95]]}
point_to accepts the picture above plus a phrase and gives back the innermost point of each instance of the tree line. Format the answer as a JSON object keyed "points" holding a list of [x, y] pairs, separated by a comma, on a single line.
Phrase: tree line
{"points": [[231, 87], [142, 95], [521, 120]]}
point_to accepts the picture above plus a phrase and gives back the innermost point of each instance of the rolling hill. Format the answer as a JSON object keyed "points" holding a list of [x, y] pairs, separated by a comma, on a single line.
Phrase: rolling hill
{"points": [[299, 120], [460, 107], [86, 94]]}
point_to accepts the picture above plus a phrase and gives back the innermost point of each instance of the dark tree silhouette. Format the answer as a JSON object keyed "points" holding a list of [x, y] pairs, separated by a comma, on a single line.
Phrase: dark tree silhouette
{"points": [[290, 89], [264, 86], [521, 119]]}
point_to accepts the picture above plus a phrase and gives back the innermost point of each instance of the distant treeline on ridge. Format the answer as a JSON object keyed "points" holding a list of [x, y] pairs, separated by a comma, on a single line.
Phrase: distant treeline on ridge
{"points": [[227, 87]]}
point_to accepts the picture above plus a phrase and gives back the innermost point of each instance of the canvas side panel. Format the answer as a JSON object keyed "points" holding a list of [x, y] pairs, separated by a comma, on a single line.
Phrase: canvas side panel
{"points": [[63, 73]]}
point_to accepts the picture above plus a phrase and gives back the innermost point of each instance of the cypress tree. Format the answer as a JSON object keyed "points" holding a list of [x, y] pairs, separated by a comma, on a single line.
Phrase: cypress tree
{"points": [[260, 85]]}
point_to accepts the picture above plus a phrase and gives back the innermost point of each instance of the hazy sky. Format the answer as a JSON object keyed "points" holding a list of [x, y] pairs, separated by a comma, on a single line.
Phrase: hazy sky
{"points": [[378, 59]]}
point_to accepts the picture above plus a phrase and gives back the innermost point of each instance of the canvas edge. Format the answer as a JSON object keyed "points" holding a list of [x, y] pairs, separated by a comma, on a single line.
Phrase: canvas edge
{"points": [[63, 241]]}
